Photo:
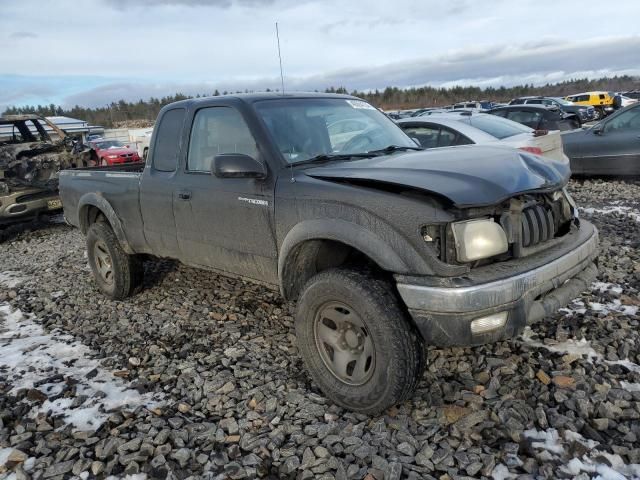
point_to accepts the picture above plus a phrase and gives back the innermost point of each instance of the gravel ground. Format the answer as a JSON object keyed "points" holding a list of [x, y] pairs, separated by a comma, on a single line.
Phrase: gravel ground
{"points": [[198, 376]]}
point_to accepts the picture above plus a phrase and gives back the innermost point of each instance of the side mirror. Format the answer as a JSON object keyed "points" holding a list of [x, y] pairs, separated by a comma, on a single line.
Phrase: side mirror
{"points": [[597, 130], [237, 165]]}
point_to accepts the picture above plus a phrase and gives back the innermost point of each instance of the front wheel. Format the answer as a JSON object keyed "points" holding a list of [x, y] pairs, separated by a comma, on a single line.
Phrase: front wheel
{"points": [[116, 273], [357, 343]]}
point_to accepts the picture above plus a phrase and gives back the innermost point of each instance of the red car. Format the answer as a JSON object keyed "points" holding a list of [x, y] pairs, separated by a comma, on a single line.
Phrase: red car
{"points": [[113, 152]]}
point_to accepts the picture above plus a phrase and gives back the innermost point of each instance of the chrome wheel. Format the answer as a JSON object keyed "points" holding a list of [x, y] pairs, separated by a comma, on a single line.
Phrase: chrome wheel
{"points": [[103, 261], [344, 343]]}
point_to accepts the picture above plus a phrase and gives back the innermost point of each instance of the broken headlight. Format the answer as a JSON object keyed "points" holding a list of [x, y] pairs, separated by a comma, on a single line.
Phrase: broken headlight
{"points": [[478, 239]]}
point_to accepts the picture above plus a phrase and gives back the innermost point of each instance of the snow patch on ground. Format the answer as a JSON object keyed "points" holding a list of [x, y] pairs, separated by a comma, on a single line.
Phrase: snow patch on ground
{"points": [[34, 359], [582, 347], [615, 306], [627, 211], [10, 279], [592, 462], [630, 387], [606, 287], [571, 346]]}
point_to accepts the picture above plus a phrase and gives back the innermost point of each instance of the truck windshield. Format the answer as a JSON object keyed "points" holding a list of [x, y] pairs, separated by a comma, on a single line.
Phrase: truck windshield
{"points": [[311, 127]]}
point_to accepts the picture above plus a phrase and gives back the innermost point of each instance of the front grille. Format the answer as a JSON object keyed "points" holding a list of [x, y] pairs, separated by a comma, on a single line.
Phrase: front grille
{"points": [[538, 225]]}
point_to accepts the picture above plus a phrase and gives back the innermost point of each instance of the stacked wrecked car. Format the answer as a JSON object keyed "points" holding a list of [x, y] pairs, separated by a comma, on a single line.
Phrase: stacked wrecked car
{"points": [[32, 152]]}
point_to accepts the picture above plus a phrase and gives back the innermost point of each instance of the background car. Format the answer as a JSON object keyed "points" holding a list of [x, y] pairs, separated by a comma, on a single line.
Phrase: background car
{"points": [[466, 128], [610, 147], [602, 102], [539, 117], [585, 113], [112, 152]]}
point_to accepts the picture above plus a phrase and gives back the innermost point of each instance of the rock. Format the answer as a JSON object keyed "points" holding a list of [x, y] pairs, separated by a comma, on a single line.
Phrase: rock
{"points": [[564, 382], [97, 468], [393, 471], [406, 449], [58, 469], [226, 388], [453, 413], [15, 457], [600, 424], [184, 408], [182, 456], [290, 465], [543, 377], [230, 425]]}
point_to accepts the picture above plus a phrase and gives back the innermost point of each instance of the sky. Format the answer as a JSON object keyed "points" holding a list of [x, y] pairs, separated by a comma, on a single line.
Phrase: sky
{"points": [[94, 52]]}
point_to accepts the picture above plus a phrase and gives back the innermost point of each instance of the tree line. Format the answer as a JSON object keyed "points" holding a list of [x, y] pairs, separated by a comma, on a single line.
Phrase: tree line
{"points": [[391, 98]]}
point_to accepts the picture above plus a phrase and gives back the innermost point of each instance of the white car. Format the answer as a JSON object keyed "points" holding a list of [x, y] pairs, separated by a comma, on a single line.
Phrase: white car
{"points": [[466, 128]]}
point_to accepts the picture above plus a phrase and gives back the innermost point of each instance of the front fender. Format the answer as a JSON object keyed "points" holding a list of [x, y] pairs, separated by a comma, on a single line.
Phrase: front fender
{"points": [[95, 200], [385, 255]]}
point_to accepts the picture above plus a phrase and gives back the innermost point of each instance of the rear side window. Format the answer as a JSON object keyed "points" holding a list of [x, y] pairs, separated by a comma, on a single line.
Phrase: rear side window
{"points": [[166, 148], [530, 119], [496, 126]]}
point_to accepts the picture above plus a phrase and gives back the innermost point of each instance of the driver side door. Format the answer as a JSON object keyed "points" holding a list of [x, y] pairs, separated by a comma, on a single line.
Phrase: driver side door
{"points": [[614, 149]]}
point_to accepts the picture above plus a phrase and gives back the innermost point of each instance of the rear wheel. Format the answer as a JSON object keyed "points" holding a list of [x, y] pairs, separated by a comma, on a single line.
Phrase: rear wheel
{"points": [[116, 273], [357, 343]]}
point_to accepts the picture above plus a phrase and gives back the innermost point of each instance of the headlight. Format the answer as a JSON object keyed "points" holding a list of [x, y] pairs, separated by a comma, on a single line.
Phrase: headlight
{"points": [[112, 156], [476, 239]]}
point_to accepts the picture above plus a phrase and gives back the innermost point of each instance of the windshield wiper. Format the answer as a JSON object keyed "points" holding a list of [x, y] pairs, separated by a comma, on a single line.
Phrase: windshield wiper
{"points": [[394, 148], [327, 157]]}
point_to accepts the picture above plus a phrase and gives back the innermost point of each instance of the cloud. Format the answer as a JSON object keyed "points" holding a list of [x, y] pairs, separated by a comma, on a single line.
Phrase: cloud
{"points": [[23, 35], [122, 4], [540, 63]]}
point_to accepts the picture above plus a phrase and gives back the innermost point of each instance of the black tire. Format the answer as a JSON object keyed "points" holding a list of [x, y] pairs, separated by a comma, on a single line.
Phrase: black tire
{"points": [[399, 356], [126, 270]]}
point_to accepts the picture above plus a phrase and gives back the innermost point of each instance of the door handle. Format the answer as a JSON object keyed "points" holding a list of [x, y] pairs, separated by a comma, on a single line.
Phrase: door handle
{"points": [[184, 195]]}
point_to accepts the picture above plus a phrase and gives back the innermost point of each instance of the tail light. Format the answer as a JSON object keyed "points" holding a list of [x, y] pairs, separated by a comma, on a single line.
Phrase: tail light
{"points": [[535, 150]]}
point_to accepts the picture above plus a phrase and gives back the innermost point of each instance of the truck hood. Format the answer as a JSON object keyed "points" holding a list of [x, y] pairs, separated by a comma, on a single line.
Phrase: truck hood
{"points": [[472, 175]]}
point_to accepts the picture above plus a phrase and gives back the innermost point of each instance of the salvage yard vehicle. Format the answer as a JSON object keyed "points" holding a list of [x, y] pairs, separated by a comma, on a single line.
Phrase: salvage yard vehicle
{"points": [[112, 152], [610, 147], [386, 247], [585, 113], [29, 164], [467, 128], [602, 102], [539, 117]]}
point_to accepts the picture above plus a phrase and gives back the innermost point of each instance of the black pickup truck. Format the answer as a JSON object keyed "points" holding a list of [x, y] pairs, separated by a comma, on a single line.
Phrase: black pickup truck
{"points": [[385, 248]]}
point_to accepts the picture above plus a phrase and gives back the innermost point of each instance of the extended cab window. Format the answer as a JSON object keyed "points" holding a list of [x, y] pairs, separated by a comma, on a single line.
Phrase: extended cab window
{"points": [[218, 130], [165, 153]]}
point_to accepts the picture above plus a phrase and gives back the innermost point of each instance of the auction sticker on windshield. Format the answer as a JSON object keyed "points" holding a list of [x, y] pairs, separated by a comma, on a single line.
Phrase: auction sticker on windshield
{"points": [[360, 104]]}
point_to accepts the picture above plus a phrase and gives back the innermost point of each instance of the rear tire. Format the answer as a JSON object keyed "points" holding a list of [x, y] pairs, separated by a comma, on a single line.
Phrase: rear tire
{"points": [[117, 274], [356, 341]]}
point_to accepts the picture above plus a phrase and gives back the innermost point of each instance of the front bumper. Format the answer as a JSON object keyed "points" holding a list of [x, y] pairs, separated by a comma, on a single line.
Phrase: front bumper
{"points": [[527, 289]]}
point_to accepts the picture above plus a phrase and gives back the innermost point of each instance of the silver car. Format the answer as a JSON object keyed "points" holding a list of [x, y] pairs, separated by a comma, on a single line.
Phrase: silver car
{"points": [[467, 128]]}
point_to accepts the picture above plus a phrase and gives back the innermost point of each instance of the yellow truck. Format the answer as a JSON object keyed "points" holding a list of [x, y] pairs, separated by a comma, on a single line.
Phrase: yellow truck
{"points": [[601, 101]]}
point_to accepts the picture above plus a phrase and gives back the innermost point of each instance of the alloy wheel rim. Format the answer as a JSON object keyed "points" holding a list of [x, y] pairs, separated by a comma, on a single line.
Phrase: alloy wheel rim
{"points": [[344, 343], [103, 261]]}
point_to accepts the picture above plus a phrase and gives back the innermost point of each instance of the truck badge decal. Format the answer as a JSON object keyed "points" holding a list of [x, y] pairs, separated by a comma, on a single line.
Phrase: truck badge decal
{"points": [[254, 201]]}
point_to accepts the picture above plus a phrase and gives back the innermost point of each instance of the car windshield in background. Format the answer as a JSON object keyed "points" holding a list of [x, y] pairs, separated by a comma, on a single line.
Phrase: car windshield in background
{"points": [[308, 128], [109, 144], [496, 126]]}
